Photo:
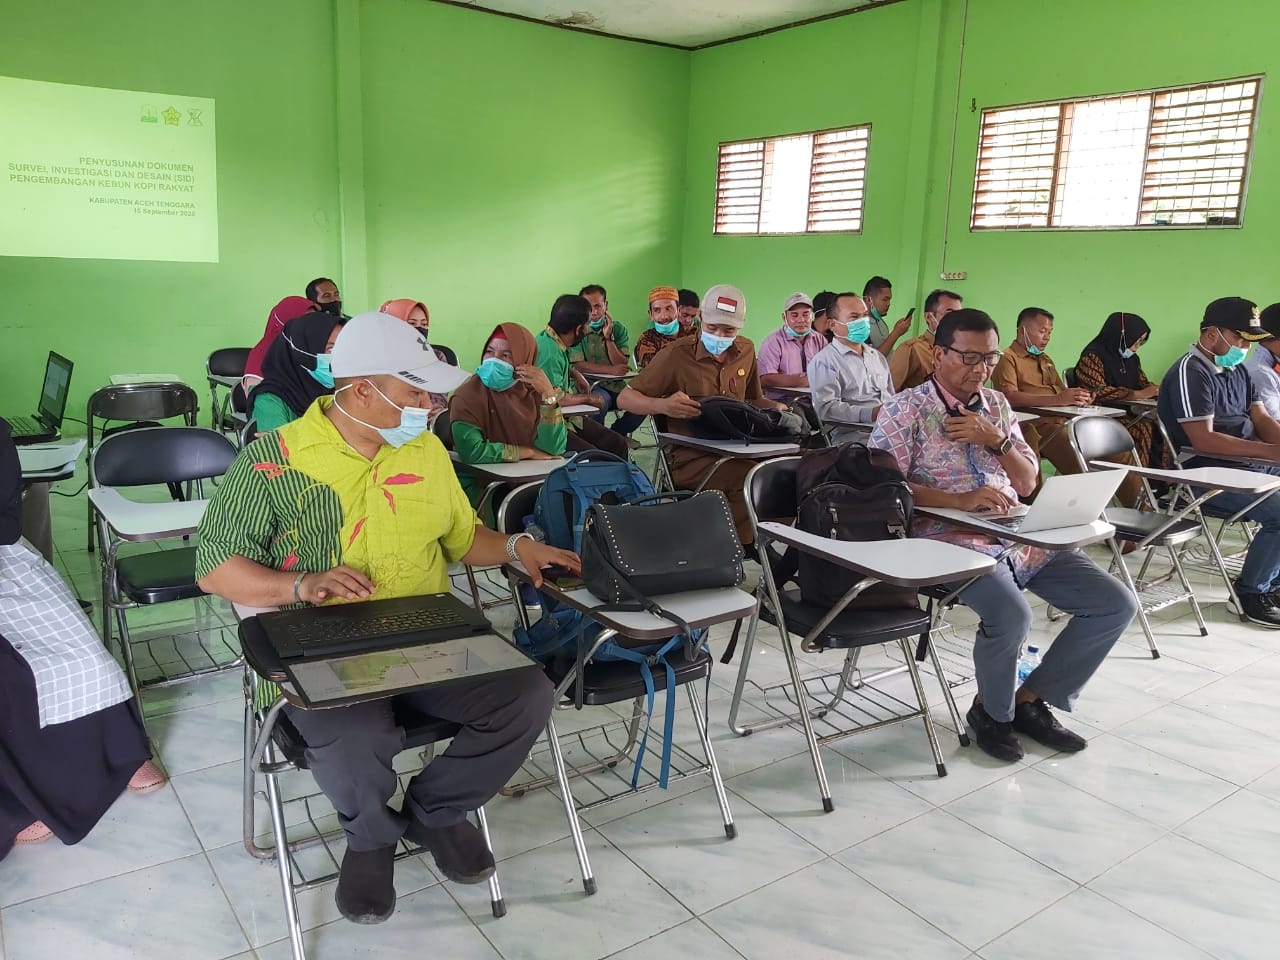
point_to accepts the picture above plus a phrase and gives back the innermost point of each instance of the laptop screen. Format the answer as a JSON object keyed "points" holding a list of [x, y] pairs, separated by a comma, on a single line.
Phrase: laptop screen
{"points": [[53, 395]]}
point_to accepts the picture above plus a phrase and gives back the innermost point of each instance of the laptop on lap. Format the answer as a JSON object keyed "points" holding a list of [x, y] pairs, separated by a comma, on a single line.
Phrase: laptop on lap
{"points": [[46, 424]]}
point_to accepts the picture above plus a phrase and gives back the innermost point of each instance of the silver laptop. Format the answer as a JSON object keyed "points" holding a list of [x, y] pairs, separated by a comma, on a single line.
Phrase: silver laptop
{"points": [[1064, 501]]}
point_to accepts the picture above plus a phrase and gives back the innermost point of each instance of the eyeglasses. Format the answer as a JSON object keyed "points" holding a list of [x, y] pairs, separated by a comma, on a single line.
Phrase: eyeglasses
{"points": [[971, 358]]}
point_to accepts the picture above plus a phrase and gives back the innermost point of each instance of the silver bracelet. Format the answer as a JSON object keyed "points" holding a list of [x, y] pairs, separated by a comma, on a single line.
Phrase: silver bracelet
{"points": [[511, 545], [297, 586]]}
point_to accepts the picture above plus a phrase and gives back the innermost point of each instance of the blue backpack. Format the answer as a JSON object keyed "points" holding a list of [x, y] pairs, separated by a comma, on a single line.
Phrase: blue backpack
{"points": [[561, 512], [569, 491]]}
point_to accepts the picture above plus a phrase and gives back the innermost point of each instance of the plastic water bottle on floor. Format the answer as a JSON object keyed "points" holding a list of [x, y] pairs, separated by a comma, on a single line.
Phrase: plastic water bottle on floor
{"points": [[1029, 660]]}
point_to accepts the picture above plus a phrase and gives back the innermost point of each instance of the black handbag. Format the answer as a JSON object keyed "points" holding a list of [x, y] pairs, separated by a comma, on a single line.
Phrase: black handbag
{"points": [[664, 543]]}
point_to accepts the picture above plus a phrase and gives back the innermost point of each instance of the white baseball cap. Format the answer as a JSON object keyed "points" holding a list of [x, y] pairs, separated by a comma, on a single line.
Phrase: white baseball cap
{"points": [[376, 344], [724, 304], [797, 298]]}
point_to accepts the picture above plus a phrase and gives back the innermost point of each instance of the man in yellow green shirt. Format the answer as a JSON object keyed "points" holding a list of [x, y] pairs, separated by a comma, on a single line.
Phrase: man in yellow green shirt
{"points": [[357, 500]]}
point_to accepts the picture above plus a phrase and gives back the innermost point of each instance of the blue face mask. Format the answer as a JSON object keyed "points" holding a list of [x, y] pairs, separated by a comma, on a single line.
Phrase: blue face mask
{"points": [[596, 324], [1032, 348], [1126, 353], [667, 329], [1234, 355], [323, 374], [414, 421], [859, 330], [716, 345], [875, 314], [793, 335], [496, 374]]}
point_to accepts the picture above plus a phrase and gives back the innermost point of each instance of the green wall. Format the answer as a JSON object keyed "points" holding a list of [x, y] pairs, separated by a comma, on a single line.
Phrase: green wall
{"points": [[406, 148], [277, 186], [507, 163], [810, 78], [900, 73]]}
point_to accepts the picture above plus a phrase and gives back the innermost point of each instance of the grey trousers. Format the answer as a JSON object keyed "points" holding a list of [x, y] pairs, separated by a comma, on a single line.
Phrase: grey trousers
{"points": [[1101, 607], [350, 749]]}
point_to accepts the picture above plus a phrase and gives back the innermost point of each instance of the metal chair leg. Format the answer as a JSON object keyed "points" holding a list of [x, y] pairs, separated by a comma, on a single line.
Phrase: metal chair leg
{"points": [[1191, 594], [496, 901], [1118, 559], [283, 863], [952, 709], [748, 645], [700, 720], [923, 701], [570, 809]]}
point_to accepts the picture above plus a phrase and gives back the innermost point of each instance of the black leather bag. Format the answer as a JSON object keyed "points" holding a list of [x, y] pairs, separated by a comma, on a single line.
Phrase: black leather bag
{"points": [[723, 418], [665, 543]]}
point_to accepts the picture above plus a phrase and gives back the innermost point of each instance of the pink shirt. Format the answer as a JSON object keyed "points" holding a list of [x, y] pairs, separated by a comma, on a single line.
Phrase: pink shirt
{"points": [[782, 353], [910, 427]]}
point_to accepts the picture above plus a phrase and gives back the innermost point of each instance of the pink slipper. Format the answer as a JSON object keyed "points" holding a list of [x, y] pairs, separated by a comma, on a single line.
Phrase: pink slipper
{"points": [[148, 778], [34, 833]]}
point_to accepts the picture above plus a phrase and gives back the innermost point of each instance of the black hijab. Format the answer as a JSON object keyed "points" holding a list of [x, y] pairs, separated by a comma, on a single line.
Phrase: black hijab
{"points": [[290, 357], [1120, 332]]}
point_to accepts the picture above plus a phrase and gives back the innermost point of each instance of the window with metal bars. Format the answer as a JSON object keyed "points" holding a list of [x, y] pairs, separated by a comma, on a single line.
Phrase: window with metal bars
{"points": [[1171, 157], [804, 183]]}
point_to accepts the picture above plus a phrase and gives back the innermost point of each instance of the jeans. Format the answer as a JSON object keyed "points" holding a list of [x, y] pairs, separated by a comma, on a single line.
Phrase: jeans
{"points": [[1261, 567], [625, 423], [1101, 607]]}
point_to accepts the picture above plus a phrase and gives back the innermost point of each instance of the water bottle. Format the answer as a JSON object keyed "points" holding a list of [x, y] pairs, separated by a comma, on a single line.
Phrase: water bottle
{"points": [[1029, 660], [532, 529]]}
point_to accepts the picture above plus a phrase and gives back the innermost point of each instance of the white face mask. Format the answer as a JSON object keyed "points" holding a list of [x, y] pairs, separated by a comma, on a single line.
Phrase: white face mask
{"points": [[414, 421]]}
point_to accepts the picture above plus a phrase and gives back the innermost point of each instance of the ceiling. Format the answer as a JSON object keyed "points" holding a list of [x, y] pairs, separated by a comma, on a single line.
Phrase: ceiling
{"points": [[681, 23]]}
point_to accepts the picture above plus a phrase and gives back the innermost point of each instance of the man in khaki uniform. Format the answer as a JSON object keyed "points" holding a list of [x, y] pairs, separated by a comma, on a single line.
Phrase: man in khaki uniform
{"points": [[912, 363], [717, 362], [1026, 375]]}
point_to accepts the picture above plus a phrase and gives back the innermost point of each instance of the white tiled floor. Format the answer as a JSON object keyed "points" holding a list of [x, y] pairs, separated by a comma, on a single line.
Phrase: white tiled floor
{"points": [[1160, 840]]}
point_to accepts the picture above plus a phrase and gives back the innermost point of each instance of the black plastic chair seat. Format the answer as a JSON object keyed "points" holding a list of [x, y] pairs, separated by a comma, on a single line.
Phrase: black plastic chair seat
{"points": [[159, 576], [617, 681], [854, 627], [1134, 525]]}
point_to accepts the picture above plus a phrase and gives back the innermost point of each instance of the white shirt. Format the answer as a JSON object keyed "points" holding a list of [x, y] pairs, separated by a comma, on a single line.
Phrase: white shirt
{"points": [[847, 386]]}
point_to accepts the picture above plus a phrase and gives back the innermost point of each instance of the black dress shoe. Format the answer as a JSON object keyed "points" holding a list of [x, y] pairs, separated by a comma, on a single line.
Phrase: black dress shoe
{"points": [[995, 737], [366, 885], [459, 850], [1260, 608], [1037, 721]]}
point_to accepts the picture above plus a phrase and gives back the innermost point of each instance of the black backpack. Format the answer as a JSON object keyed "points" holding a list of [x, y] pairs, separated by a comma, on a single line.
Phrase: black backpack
{"points": [[851, 492], [723, 418]]}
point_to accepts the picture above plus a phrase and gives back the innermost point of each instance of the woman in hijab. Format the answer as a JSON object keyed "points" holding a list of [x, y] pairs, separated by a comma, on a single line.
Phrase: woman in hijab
{"points": [[290, 308], [295, 371], [415, 314], [508, 410], [71, 736], [1109, 366]]}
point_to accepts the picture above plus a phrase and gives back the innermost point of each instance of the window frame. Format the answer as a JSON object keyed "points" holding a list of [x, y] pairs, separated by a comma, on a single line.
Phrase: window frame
{"points": [[764, 141], [1056, 184]]}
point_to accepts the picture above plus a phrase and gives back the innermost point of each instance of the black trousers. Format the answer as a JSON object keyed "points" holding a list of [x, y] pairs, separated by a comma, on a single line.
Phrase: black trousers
{"points": [[350, 749]]}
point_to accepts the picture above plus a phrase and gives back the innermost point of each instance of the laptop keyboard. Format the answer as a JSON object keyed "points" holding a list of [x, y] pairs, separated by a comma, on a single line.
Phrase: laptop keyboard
{"points": [[1009, 523], [26, 427], [334, 632]]}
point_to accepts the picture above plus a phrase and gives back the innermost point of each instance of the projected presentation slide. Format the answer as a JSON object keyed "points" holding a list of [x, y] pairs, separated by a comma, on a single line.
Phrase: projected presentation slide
{"points": [[92, 173]]}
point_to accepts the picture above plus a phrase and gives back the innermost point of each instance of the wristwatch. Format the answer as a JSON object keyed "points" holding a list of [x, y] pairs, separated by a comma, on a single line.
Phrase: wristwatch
{"points": [[1005, 446], [550, 401]]}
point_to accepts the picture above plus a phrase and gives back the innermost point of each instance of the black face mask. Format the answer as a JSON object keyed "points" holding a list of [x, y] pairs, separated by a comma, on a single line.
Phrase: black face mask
{"points": [[975, 404], [333, 307]]}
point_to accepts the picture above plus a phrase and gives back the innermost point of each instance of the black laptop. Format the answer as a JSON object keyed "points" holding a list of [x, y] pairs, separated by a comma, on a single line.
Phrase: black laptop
{"points": [[343, 629], [47, 423]]}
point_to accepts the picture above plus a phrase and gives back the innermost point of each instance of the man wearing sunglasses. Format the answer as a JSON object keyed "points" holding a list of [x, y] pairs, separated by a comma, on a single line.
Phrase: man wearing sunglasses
{"points": [[959, 446]]}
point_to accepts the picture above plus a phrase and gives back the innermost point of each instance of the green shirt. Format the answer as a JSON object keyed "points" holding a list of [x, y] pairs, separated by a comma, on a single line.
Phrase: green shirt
{"points": [[553, 358], [472, 447], [593, 348], [270, 412]]}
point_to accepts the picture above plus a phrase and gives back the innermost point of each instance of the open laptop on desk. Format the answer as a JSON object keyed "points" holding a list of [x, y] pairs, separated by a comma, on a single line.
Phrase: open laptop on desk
{"points": [[46, 424], [1071, 500], [360, 651]]}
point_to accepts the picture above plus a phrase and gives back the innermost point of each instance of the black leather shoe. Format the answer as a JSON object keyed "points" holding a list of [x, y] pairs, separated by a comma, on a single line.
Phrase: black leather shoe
{"points": [[994, 736], [366, 885], [459, 850], [1260, 608], [1037, 721]]}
